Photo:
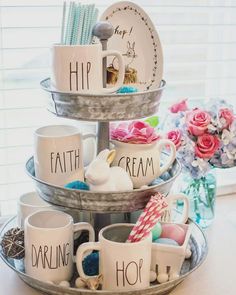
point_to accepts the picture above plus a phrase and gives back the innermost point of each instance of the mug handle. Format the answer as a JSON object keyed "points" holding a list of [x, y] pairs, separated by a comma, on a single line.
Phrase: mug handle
{"points": [[85, 226], [80, 255], [172, 198], [161, 144], [91, 135], [121, 72]]}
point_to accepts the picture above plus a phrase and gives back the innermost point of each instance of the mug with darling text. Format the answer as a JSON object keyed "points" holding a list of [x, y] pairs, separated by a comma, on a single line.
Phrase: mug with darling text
{"points": [[49, 244]]}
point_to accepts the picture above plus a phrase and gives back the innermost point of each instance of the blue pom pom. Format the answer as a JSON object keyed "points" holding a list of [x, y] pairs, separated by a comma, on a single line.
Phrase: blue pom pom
{"points": [[91, 264], [77, 185], [127, 89]]}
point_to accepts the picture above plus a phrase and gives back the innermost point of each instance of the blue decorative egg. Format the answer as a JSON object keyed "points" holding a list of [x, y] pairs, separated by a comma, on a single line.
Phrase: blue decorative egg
{"points": [[91, 264], [77, 185], [166, 241], [127, 89]]}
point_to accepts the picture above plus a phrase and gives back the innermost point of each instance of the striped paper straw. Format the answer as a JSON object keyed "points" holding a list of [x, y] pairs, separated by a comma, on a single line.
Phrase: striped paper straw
{"points": [[63, 22], [89, 21], [93, 22], [74, 39], [85, 24], [147, 220], [69, 24], [80, 25]]}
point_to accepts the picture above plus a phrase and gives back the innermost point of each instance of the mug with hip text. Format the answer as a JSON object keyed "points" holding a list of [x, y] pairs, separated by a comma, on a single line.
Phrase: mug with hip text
{"points": [[28, 204], [58, 156], [142, 161], [124, 266], [79, 69], [49, 243]]}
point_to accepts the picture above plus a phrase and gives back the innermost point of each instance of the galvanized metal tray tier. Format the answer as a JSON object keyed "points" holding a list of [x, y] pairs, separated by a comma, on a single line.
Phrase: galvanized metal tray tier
{"points": [[101, 202], [198, 245], [103, 107]]}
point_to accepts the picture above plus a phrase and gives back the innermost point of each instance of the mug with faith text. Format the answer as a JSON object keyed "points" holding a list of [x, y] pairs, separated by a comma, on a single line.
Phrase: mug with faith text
{"points": [[49, 243], [79, 69], [124, 266], [58, 155]]}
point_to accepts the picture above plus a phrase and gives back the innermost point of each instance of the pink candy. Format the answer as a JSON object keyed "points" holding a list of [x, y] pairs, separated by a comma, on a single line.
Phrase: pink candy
{"points": [[174, 232]]}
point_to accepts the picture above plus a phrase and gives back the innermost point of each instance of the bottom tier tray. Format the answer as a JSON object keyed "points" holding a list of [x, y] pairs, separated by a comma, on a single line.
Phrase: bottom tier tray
{"points": [[198, 245]]}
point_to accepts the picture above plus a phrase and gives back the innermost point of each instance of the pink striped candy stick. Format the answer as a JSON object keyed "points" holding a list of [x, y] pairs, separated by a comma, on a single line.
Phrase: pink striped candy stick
{"points": [[150, 223], [140, 222], [151, 219], [156, 204]]}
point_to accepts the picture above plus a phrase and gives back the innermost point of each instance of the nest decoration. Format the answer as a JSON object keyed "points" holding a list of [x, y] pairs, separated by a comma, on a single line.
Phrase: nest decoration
{"points": [[13, 243]]}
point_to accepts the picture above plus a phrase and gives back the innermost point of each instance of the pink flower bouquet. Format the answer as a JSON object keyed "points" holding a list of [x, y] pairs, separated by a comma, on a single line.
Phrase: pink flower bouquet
{"points": [[204, 137]]}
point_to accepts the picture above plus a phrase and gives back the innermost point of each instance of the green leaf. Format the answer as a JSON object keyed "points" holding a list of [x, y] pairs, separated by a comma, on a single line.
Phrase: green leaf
{"points": [[153, 121]]}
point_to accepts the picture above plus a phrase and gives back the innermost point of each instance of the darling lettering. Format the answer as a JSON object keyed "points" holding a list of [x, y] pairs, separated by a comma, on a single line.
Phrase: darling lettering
{"points": [[137, 166], [79, 75], [50, 257], [130, 274], [64, 161]]}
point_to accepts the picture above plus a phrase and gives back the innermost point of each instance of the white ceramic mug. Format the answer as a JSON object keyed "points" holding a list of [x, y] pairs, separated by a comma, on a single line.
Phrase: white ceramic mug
{"points": [[58, 156], [49, 245], [79, 68], [171, 200], [29, 203], [142, 161], [124, 266]]}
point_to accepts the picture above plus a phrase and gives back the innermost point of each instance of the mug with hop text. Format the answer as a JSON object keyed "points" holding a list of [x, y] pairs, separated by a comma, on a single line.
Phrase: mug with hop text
{"points": [[124, 266]]}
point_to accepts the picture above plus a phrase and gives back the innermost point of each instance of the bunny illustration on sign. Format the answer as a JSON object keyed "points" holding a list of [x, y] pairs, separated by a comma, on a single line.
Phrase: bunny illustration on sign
{"points": [[101, 177], [131, 75], [130, 53]]}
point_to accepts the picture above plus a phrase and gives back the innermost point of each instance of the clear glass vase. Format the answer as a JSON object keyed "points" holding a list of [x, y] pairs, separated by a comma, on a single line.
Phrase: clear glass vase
{"points": [[202, 194]]}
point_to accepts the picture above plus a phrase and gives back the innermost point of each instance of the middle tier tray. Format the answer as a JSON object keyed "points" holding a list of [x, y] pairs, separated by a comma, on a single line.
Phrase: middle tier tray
{"points": [[101, 202], [103, 107]]}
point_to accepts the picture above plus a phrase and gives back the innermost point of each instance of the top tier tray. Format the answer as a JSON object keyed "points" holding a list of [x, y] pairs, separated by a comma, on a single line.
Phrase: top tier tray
{"points": [[108, 107]]}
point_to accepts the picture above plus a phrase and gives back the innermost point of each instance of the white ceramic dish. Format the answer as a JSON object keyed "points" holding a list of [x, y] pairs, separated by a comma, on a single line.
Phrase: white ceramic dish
{"points": [[136, 38]]}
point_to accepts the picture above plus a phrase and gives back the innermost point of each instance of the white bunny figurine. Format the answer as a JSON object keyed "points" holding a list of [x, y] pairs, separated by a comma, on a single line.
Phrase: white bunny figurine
{"points": [[101, 177]]}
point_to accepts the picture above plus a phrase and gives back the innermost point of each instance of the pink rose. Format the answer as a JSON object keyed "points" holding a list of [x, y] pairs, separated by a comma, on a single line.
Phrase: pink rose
{"points": [[179, 107], [175, 136], [206, 146], [227, 115], [197, 122]]}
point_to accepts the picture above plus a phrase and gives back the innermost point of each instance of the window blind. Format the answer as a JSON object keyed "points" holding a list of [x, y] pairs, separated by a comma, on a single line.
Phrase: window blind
{"points": [[199, 45]]}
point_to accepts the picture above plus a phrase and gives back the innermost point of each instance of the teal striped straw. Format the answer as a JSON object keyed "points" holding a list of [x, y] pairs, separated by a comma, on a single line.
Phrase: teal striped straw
{"points": [[80, 25], [93, 22], [63, 22], [85, 25], [88, 23], [70, 23], [76, 25]]}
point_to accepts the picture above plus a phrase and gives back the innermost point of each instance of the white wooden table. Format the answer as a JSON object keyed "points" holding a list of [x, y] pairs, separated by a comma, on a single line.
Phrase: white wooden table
{"points": [[217, 276]]}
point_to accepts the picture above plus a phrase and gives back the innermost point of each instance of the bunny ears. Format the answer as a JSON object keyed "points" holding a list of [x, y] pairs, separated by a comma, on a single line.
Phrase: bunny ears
{"points": [[107, 155]]}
